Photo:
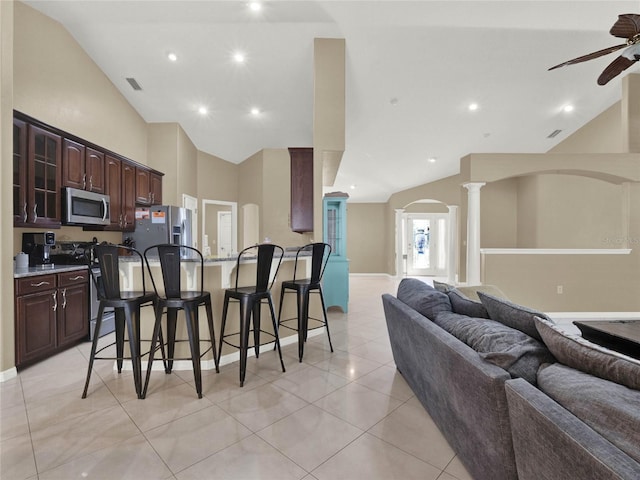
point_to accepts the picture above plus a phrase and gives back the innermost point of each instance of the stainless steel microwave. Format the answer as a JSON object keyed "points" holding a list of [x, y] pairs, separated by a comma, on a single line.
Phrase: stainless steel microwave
{"points": [[85, 208]]}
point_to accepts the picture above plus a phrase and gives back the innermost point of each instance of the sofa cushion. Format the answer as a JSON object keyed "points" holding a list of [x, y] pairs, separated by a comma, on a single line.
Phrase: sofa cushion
{"points": [[511, 314], [463, 305], [578, 353], [508, 348], [422, 297], [611, 409]]}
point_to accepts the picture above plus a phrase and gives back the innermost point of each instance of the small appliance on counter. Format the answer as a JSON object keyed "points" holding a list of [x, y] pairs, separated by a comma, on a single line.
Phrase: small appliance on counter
{"points": [[38, 247], [161, 224]]}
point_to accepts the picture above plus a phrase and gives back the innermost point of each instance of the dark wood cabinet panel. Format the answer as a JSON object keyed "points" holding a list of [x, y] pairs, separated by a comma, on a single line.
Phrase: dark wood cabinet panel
{"points": [[73, 164], [301, 189], [73, 311], [143, 186], [82, 167], [155, 183], [51, 313], [94, 163], [36, 326], [128, 197], [113, 188]]}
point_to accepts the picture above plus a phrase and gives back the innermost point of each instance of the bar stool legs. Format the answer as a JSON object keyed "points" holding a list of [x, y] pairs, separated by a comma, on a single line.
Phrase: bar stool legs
{"points": [[249, 310]]}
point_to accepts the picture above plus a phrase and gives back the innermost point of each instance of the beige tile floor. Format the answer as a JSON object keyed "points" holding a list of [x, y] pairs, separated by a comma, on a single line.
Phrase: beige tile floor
{"points": [[347, 414]]}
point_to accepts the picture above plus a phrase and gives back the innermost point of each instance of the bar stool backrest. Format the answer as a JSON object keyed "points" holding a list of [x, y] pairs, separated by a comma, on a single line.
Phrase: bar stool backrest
{"points": [[108, 256], [265, 253], [172, 257], [320, 253]]}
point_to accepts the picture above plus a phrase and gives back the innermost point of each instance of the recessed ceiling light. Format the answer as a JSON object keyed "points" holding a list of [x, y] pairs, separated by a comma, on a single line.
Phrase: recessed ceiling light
{"points": [[202, 110], [567, 108], [255, 6], [255, 111], [473, 107], [431, 159], [239, 57], [394, 101], [353, 187], [172, 56]]}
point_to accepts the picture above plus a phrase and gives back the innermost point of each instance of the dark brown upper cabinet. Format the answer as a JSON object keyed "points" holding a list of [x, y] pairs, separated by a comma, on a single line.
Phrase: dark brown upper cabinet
{"points": [[301, 189], [82, 167]]}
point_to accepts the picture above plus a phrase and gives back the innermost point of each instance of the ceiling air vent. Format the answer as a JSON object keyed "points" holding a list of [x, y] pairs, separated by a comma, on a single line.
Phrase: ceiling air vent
{"points": [[554, 134], [134, 84]]}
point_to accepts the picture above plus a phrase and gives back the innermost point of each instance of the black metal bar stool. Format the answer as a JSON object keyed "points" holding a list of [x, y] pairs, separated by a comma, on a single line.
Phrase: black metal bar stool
{"points": [[126, 305], [178, 263], [302, 287], [250, 298]]}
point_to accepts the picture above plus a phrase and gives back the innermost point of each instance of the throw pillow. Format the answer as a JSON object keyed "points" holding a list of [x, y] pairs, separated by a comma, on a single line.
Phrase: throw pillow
{"points": [[465, 306], [442, 287], [511, 314], [471, 291], [576, 352], [607, 407], [422, 297], [508, 348]]}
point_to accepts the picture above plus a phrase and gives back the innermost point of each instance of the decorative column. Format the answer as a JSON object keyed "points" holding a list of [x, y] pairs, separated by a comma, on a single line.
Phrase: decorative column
{"points": [[399, 246], [453, 244], [473, 232]]}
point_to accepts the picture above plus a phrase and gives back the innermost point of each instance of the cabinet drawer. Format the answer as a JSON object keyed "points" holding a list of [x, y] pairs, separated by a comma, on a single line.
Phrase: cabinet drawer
{"points": [[73, 278], [38, 283]]}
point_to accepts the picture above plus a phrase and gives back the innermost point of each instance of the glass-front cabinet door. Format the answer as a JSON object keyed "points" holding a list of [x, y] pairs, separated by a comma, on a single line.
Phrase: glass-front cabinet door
{"points": [[20, 207], [336, 275], [44, 177]]}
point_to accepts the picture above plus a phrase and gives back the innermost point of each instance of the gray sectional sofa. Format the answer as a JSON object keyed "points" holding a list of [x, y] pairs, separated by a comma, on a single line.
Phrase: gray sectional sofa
{"points": [[514, 395]]}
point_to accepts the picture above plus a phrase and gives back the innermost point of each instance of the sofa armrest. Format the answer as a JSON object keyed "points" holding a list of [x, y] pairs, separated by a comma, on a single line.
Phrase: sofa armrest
{"points": [[463, 393], [550, 442]]}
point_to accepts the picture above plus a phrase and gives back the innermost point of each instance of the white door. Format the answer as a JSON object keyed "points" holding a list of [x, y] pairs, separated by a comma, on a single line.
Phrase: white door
{"points": [[426, 240], [225, 247]]}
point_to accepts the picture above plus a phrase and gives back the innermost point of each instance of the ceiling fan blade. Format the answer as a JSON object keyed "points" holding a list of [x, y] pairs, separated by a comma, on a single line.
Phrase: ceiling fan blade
{"points": [[590, 56], [614, 69], [626, 26]]}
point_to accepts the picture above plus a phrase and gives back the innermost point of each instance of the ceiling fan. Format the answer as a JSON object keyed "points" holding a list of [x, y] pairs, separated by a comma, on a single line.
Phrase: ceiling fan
{"points": [[627, 26]]}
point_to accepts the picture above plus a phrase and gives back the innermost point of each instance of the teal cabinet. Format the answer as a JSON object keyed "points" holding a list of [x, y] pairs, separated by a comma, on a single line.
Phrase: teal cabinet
{"points": [[335, 282]]}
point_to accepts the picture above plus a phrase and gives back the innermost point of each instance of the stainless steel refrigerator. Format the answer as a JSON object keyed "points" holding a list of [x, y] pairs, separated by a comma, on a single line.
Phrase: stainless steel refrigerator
{"points": [[161, 224]]}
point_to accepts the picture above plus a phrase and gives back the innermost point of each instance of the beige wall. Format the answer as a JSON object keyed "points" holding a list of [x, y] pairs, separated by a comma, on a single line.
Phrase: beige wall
{"points": [[7, 350], [163, 153], [187, 167], [56, 82], [217, 178], [564, 211], [601, 135], [367, 237]]}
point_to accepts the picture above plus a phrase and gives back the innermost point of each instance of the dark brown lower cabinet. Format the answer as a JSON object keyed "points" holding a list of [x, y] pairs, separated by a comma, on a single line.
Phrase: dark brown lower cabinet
{"points": [[51, 313]]}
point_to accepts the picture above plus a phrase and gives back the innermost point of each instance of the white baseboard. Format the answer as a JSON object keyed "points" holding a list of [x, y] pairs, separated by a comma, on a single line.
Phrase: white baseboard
{"points": [[8, 374]]}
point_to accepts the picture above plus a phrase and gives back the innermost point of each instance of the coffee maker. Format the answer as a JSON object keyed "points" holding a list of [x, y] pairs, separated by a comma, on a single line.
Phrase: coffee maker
{"points": [[38, 247]]}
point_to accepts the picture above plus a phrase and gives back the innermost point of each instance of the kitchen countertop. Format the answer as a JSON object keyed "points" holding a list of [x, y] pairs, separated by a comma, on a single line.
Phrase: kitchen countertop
{"points": [[33, 271]]}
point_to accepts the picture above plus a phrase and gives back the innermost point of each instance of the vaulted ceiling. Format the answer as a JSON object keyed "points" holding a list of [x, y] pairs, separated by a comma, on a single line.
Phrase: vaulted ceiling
{"points": [[413, 69]]}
